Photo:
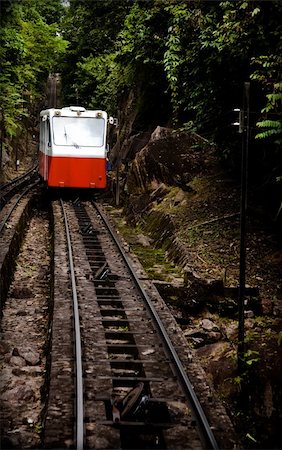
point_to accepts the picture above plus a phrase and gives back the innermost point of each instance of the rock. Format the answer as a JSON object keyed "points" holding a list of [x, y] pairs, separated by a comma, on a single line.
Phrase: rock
{"points": [[208, 325], [145, 241], [231, 331], [249, 323], [178, 198], [214, 336], [198, 342], [4, 348], [249, 314], [18, 394], [201, 337], [17, 361], [195, 332], [208, 285], [160, 133], [177, 410], [31, 356], [158, 194], [196, 336]]}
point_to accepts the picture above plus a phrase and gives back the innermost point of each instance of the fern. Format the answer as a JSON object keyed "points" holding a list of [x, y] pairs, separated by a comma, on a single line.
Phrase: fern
{"points": [[270, 132], [272, 127], [269, 124]]}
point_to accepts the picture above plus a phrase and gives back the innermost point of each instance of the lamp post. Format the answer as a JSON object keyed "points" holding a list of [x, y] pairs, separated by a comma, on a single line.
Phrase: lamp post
{"points": [[244, 128], [118, 162]]}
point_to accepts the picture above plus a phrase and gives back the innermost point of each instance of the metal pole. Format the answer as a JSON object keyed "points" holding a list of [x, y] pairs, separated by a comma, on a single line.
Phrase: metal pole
{"points": [[1, 141], [243, 215], [118, 163], [17, 152], [117, 184]]}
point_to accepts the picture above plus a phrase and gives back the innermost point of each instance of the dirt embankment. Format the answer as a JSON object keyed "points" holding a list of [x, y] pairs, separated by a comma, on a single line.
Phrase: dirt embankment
{"points": [[180, 202]]}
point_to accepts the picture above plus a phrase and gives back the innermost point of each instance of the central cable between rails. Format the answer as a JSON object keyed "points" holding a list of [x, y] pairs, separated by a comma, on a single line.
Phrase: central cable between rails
{"points": [[78, 355]]}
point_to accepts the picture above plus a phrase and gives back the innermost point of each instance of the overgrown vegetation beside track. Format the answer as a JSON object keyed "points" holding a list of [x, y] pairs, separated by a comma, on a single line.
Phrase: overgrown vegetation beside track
{"points": [[31, 45], [180, 65], [196, 272], [183, 64], [189, 216], [152, 63]]}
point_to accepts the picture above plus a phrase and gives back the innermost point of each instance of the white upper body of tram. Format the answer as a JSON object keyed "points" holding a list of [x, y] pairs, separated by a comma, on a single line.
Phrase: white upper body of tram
{"points": [[72, 147]]}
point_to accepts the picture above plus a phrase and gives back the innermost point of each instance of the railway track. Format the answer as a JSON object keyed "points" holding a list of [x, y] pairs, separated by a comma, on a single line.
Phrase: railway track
{"points": [[4, 217], [10, 189], [123, 381], [24, 327], [13, 219]]}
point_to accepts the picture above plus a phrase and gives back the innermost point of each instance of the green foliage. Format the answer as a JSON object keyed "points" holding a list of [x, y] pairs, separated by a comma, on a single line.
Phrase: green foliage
{"points": [[249, 436], [185, 62], [237, 381], [132, 41], [28, 53], [91, 71], [272, 128], [101, 72], [268, 74], [204, 51], [251, 357], [193, 43], [173, 56], [38, 428]]}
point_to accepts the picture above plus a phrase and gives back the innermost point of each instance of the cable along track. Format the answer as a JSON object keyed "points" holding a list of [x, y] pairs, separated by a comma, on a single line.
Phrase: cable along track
{"points": [[136, 393]]}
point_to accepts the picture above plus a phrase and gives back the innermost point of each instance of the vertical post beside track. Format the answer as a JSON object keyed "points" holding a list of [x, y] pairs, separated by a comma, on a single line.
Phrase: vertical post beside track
{"points": [[243, 217]]}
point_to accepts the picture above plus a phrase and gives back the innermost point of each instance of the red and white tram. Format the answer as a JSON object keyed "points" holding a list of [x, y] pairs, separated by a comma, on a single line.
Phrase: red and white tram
{"points": [[72, 148]]}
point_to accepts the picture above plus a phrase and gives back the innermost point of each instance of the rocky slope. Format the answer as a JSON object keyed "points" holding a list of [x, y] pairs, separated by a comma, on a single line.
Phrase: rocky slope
{"points": [[181, 216]]}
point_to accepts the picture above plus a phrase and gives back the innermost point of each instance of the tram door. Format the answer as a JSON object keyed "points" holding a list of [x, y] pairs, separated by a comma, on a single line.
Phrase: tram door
{"points": [[45, 144]]}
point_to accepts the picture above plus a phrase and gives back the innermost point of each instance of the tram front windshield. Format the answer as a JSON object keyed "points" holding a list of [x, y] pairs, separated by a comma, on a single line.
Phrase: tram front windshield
{"points": [[78, 131]]}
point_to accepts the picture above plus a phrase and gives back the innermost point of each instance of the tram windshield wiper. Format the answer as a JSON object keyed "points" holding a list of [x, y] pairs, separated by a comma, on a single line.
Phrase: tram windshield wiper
{"points": [[69, 137]]}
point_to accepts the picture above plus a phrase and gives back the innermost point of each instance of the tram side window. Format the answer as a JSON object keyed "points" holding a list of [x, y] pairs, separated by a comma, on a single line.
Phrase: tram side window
{"points": [[41, 141], [48, 133], [45, 134]]}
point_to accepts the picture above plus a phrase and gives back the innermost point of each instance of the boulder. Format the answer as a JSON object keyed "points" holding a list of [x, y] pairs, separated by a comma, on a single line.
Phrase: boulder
{"points": [[29, 354], [208, 325], [17, 361], [18, 394]]}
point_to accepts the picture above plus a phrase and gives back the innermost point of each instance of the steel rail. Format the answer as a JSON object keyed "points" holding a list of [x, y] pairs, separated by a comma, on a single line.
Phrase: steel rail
{"points": [[14, 185], [6, 218], [78, 353], [183, 378], [17, 179]]}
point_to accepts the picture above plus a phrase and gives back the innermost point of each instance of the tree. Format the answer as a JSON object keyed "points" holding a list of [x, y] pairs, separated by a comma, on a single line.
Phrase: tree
{"points": [[29, 50]]}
